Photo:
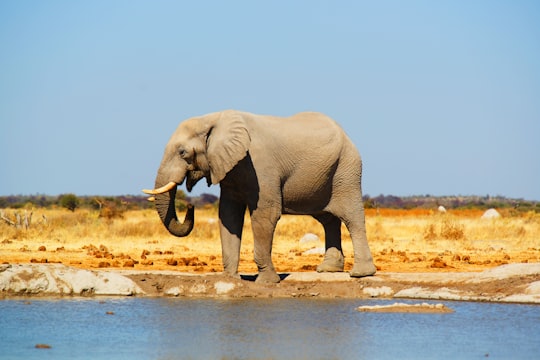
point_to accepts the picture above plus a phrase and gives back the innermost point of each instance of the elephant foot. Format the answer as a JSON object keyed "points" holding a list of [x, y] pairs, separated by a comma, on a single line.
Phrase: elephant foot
{"points": [[268, 277], [233, 275], [363, 269], [333, 261]]}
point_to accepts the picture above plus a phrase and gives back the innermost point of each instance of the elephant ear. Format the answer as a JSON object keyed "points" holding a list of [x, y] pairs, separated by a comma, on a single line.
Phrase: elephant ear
{"points": [[227, 144]]}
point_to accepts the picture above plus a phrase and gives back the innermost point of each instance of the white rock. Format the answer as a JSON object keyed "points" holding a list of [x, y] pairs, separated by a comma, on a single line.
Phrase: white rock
{"points": [[531, 295], [309, 238], [223, 287], [57, 279], [315, 251], [507, 271], [100, 283], [533, 288], [441, 209], [521, 298], [491, 214], [378, 291], [175, 291]]}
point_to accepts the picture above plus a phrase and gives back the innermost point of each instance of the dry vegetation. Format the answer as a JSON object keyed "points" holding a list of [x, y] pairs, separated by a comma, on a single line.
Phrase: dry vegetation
{"points": [[400, 240]]}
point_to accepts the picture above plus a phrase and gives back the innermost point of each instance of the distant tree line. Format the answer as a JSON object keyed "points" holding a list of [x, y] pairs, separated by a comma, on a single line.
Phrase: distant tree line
{"points": [[133, 202], [450, 202], [73, 202]]}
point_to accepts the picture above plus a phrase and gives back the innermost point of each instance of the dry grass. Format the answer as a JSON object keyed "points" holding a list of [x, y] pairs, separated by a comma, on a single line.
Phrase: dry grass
{"points": [[400, 240]]}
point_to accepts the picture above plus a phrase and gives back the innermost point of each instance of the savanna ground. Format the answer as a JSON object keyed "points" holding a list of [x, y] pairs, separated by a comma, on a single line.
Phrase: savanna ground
{"points": [[415, 240]]}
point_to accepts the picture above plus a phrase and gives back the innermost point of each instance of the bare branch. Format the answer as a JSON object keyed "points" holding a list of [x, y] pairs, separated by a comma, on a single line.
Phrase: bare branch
{"points": [[3, 217]]}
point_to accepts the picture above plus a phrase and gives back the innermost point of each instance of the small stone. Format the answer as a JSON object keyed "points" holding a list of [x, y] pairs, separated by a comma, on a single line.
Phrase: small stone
{"points": [[315, 251], [174, 291]]}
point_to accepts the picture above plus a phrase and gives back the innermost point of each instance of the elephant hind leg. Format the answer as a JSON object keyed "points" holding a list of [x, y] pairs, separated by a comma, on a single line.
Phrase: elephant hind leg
{"points": [[351, 212], [333, 258], [363, 261]]}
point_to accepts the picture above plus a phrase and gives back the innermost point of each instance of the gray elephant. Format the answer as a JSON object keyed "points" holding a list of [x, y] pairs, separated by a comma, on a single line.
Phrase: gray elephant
{"points": [[303, 164]]}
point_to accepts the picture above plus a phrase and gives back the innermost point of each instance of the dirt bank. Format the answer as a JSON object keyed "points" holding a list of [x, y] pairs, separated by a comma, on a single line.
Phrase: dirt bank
{"points": [[518, 283], [508, 283]]}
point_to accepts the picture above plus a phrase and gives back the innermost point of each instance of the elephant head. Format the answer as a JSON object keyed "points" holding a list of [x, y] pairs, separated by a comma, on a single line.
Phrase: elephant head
{"points": [[203, 147]]}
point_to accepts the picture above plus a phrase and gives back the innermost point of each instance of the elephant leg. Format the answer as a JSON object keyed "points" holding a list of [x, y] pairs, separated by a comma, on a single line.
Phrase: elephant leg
{"points": [[263, 223], [231, 217], [356, 224], [333, 258]]}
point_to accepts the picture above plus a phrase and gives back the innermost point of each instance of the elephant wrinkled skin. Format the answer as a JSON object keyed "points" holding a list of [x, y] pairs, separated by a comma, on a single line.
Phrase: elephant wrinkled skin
{"points": [[303, 164]]}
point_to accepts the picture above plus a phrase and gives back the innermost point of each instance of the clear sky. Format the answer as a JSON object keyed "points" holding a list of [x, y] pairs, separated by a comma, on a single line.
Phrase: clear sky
{"points": [[440, 97]]}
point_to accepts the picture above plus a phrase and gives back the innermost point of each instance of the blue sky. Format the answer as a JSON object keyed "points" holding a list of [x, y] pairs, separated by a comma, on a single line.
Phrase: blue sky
{"points": [[440, 97]]}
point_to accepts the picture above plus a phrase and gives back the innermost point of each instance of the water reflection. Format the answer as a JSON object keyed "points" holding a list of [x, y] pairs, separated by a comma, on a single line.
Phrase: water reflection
{"points": [[286, 329], [291, 328]]}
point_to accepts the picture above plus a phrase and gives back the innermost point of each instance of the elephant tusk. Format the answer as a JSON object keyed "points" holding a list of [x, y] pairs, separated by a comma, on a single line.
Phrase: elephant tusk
{"points": [[151, 199], [161, 190]]}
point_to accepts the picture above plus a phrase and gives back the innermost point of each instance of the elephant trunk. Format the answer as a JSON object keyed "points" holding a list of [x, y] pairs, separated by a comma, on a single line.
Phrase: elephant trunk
{"points": [[165, 205]]}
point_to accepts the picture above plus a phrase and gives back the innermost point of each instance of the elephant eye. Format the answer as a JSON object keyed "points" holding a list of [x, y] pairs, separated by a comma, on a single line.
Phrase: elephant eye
{"points": [[182, 153]]}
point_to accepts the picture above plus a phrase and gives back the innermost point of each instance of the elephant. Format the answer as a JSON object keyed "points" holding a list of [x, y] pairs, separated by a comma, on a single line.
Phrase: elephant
{"points": [[304, 164]]}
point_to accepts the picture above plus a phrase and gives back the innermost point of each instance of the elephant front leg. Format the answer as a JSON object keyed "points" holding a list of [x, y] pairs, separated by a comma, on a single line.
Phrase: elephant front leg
{"points": [[263, 225], [231, 216]]}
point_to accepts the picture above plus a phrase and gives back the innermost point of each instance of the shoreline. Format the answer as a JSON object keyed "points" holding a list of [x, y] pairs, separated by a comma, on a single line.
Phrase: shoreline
{"points": [[512, 283]]}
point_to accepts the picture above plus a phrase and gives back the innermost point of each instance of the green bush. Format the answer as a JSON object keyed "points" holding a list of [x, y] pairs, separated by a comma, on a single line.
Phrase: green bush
{"points": [[68, 201]]}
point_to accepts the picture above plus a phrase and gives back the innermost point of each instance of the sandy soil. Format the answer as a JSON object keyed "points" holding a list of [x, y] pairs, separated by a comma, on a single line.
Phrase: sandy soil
{"points": [[188, 260], [407, 308], [399, 243]]}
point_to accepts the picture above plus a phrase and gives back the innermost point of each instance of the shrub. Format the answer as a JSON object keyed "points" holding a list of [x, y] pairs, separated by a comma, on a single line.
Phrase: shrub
{"points": [[110, 209], [68, 201], [452, 230], [445, 229]]}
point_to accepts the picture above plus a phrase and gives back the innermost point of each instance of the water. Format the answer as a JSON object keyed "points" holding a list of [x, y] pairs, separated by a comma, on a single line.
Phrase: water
{"points": [[166, 328]]}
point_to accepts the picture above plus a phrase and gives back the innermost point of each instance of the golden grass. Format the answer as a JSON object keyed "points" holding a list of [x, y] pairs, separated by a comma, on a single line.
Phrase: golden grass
{"points": [[400, 240]]}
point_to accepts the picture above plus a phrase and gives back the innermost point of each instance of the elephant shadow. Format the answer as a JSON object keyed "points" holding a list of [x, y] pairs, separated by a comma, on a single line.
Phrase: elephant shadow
{"points": [[253, 277]]}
